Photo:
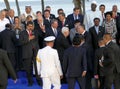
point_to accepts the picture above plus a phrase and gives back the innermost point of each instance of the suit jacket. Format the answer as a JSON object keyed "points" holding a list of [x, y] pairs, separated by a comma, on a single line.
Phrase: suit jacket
{"points": [[45, 22], [52, 16], [72, 33], [115, 50], [8, 40], [49, 32], [74, 61], [71, 20], [118, 30], [90, 57], [61, 44], [10, 20], [95, 37], [98, 55], [41, 34], [29, 48], [108, 61], [60, 24], [5, 68], [48, 22], [88, 39]]}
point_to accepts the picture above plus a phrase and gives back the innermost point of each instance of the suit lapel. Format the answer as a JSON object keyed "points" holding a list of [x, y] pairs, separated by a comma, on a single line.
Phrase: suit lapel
{"points": [[94, 31]]}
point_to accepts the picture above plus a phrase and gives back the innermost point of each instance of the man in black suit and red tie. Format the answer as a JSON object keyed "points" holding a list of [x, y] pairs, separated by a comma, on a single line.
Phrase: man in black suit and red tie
{"points": [[62, 21], [29, 41]]}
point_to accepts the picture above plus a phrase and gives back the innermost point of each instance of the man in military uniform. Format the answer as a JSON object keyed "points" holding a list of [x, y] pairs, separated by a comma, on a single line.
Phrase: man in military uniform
{"points": [[49, 65]]}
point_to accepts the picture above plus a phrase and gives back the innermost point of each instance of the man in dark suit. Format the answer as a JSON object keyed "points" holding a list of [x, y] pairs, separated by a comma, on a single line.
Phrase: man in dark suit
{"points": [[74, 16], [115, 10], [116, 59], [118, 30], [98, 69], [61, 44], [49, 8], [47, 17], [8, 43], [29, 41], [53, 30], [62, 21], [90, 55], [40, 27], [5, 69], [96, 33], [11, 16], [75, 64]]}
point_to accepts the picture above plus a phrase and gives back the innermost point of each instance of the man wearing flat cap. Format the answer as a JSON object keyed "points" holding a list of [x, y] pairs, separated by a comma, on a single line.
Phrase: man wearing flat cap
{"points": [[91, 14], [49, 67]]}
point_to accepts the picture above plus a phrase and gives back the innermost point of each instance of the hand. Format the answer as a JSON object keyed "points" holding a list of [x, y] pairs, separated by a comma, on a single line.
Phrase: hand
{"points": [[96, 76], [31, 37], [83, 73], [100, 63], [42, 27], [15, 81], [61, 77]]}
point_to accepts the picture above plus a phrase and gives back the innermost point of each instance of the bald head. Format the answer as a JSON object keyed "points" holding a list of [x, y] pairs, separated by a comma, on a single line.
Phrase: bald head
{"points": [[101, 43], [107, 37]]}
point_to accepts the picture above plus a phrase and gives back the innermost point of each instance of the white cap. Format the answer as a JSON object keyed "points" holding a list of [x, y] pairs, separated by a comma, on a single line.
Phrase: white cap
{"points": [[28, 6], [49, 38], [94, 2]]}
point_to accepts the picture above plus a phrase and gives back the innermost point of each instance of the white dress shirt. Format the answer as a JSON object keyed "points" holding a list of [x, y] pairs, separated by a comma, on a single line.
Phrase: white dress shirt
{"points": [[3, 23]]}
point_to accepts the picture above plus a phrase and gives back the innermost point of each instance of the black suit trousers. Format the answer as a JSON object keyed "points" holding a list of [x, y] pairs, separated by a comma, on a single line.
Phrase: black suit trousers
{"points": [[102, 80], [28, 68], [116, 80], [109, 81], [11, 56], [72, 81], [3, 87], [88, 80]]}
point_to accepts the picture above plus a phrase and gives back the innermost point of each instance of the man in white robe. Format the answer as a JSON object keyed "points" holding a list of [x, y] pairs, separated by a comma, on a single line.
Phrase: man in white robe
{"points": [[28, 11], [91, 14]]}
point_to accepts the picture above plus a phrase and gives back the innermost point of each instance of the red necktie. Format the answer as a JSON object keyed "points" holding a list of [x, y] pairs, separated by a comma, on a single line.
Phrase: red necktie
{"points": [[30, 33]]}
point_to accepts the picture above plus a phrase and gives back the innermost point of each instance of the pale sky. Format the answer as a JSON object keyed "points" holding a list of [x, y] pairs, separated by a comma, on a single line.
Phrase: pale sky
{"points": [[19, 0]]}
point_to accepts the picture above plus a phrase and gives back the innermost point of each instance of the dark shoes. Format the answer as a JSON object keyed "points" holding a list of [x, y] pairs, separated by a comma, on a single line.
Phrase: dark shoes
{"points": [[30, 83]]}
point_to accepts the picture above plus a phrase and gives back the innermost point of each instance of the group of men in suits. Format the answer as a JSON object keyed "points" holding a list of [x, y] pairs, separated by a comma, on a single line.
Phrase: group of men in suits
{"points": [[64, 29], [107, 63]]}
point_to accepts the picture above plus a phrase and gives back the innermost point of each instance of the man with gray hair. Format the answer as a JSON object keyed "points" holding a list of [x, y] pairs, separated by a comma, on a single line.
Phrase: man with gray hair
{"points": [[3, 20], [53, 30], [61, 44]]}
